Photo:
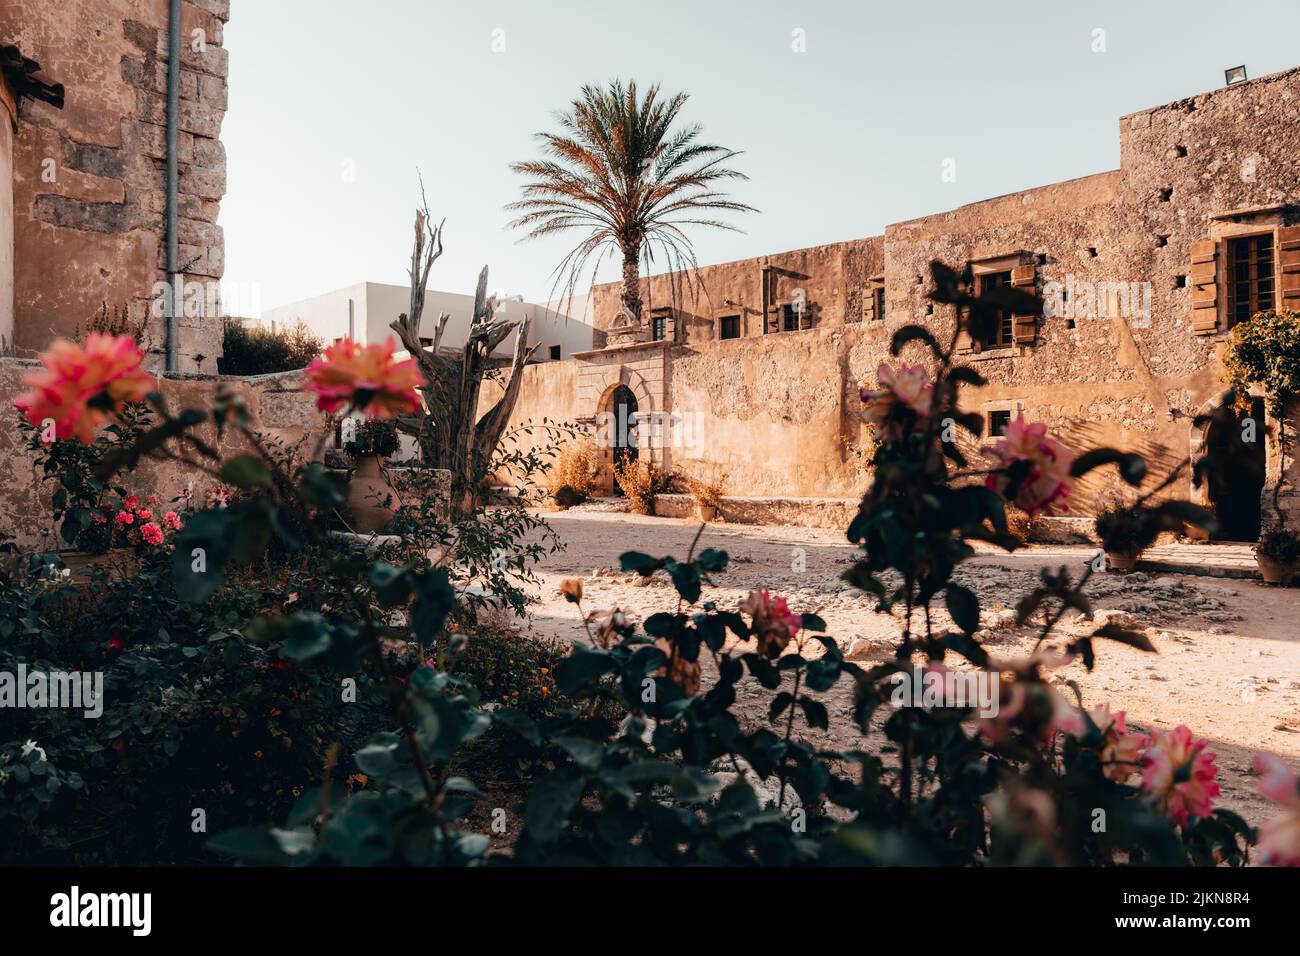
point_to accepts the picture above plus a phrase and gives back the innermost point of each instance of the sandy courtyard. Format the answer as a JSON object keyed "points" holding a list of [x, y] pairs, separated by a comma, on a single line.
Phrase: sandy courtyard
{"points": [[1229, 650]]}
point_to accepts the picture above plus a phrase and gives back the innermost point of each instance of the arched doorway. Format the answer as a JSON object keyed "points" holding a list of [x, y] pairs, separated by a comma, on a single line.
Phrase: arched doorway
{"points": [[1236, 444], [622, 430]]}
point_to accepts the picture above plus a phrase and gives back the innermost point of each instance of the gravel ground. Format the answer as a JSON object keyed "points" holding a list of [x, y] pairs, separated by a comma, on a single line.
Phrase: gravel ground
{"points": [[1228, 661]]}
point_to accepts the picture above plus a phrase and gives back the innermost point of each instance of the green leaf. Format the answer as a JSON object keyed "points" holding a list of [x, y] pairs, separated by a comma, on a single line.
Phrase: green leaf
{"points": [[964, 608], [520, 723], [246, 471], [712, 560], [642, 564], [1125, 636], [815, 713], [587, 754], [549, 805], [581, 666]]}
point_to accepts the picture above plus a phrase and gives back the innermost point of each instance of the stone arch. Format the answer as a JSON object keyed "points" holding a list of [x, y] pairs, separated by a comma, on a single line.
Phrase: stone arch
{"points": [[608, 426]]}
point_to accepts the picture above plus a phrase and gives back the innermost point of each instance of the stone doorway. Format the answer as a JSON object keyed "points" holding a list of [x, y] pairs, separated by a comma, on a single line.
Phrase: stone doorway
{"points": [[1234, 491], [618, 423]]}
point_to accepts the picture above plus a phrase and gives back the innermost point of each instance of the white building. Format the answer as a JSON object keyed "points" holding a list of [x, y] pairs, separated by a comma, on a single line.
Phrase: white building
{"points": [[363, 312]]}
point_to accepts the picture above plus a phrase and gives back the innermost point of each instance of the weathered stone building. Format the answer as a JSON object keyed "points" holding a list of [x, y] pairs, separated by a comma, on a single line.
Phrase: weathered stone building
{"points": [[1145, 269], [84, 225], [88, 221]]}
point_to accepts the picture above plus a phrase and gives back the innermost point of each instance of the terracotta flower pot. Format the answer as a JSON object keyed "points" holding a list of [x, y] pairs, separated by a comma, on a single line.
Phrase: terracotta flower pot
{"points": [[370, 497], [707, 512], [1121, 561], [1275, 572]]}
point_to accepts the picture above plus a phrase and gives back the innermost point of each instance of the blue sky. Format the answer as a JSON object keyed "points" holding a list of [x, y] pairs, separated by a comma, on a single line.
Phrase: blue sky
{"points": [[334, 104]]}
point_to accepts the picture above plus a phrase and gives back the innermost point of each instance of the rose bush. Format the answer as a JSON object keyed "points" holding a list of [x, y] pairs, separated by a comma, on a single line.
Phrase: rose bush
{"points": [[639, 756]]}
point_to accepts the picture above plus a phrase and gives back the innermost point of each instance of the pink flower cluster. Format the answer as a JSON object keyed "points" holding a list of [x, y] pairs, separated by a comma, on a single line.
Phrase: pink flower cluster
{"points": [[137, 523], [1047, 482], [218, 496]]}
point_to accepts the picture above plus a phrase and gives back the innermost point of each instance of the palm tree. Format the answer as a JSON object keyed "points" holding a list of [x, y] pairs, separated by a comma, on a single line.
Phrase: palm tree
{"points": [[620, 173]]}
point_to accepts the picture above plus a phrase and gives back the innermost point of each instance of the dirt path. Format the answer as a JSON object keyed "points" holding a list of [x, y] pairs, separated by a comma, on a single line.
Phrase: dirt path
{"points": [[1229, 650]]}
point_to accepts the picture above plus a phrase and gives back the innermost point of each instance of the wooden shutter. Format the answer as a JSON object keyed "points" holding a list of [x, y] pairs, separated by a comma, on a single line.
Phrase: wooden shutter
{"points": [[1288, 267], [869, 304], [1205, 287], [1024, 328]]}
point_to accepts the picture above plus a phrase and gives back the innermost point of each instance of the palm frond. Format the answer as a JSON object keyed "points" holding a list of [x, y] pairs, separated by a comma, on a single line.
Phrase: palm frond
{"points": [[622, 172]]}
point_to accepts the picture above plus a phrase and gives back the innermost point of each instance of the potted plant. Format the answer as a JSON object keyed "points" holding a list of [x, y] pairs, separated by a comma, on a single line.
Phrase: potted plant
{"points": [[371, 495], [1278, 556], [707, 495], [1124, 536]]}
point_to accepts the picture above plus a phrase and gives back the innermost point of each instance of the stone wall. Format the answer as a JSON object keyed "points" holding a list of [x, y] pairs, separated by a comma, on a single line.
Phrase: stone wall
{"points": [[89, 180], [279, 408], [779, 411], [8, 123], [830, 279]]}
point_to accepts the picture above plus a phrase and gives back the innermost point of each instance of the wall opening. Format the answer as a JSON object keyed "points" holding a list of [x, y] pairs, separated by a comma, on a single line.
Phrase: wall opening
{"points": [[1238, 442], [620, 443]]}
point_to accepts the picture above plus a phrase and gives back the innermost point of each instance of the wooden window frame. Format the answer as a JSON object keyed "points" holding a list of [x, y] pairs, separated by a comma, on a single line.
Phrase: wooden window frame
{"points": [[1228, 256], [667, 316], [1023, 268], [1005, 335]]}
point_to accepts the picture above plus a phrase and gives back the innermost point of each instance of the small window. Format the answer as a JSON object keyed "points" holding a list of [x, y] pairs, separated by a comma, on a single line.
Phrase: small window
{"points": [[730, 327], [426, 343], [555, 353], [659, 327], [1003, 325], [789, 318], [998, 422], [1250, 277], [880, 303]]}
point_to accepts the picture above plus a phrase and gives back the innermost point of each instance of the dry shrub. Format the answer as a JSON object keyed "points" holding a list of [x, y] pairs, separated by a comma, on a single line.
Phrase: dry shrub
{"points": [[707, 494], [116, 322], [577, 468], [641, 482]]}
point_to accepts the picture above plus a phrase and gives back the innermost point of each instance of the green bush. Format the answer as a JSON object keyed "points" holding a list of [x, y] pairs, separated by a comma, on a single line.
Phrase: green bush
{"points": [[259, 351]]}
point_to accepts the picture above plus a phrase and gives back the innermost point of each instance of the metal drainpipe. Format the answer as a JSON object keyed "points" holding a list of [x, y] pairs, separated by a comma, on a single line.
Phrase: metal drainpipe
{"points": [[173, 179]]}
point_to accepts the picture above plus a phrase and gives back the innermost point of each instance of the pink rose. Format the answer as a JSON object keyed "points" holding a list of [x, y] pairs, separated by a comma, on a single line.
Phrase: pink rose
{"points": [[124, 518], [172, 520], [367, 377], [1279, 839], [908, 386], [1121, 752], [1179, 773], [81, 387], [1047, 482], [151, 533], [774, 624]]}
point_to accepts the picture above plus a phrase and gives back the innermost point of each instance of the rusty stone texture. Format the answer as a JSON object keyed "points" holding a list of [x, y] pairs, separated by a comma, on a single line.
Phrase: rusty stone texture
{"points": [[102, 219]]}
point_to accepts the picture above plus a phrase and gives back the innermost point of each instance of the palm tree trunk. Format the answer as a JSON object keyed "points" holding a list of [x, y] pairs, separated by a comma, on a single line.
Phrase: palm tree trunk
{"points": [[631, 295]]}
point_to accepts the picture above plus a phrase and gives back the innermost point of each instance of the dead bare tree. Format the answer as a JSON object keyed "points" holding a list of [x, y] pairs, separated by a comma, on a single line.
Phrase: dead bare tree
{"points": [[450, 434]]}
